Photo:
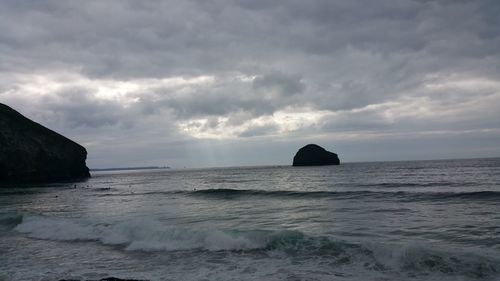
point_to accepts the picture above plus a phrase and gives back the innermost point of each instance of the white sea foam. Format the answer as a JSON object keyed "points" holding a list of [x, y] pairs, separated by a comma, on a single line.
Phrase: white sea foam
{"points": [[413, 221], [379, 259], [154, 235], [139, 234], [56, 229]]}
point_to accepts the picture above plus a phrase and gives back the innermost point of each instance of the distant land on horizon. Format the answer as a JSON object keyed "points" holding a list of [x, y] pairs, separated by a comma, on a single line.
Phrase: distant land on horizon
{"points": [[130, 168], [281, 164]]}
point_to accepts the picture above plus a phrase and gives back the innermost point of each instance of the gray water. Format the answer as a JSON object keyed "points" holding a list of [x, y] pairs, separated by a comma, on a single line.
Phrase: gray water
{"points": [[416, 220]]}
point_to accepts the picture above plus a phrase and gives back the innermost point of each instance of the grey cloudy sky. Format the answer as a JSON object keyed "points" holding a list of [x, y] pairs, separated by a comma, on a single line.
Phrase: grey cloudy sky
{"points": [[218, 83]]}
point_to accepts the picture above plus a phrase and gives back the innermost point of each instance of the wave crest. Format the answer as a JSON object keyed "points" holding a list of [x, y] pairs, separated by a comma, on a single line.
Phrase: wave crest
{"points": [[406, 196], [151, 235], [403, 195]]}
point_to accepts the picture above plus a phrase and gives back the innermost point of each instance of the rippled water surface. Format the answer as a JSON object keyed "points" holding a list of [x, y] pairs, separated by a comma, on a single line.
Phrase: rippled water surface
{"points": [[416, 220]]}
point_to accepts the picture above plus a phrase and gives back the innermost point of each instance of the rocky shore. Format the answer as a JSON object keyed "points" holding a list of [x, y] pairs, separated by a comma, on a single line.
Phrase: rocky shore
{"points": [[30, 152]]}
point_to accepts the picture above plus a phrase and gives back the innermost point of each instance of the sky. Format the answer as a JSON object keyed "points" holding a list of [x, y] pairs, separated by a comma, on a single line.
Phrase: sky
{"points": [[207, 83]]}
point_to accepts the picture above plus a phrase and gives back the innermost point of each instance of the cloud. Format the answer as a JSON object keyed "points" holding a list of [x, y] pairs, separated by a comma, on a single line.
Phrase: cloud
{"points": [[167, 72], [79, 107], [278, 84], [260, 130]]}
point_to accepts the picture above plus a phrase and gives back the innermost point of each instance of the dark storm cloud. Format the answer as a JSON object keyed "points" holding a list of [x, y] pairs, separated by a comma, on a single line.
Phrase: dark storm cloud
{"points": [[196, 102], [389, 65], [263, 95], [78, 107], [260, 130], [133, 39], [279, 83]]}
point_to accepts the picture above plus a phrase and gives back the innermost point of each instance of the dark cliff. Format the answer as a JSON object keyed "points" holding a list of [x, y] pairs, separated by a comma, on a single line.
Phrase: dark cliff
{"points": [[29, 152], [315, 155]]}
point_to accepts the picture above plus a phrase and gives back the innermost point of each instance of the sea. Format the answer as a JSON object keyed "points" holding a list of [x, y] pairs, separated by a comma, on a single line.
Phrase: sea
{"points": [[411, 220]]}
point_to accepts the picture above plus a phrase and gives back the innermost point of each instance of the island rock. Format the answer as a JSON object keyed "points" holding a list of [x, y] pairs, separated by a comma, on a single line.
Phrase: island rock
{"points": [[29, 152], [315, 155]]}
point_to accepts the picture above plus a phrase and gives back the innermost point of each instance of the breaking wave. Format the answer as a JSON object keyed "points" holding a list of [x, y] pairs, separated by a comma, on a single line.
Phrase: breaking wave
{"points": [[9, 220], [152, 235]]}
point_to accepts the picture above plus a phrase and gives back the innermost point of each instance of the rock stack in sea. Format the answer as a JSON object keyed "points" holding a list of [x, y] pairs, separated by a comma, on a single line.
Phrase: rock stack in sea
{"points": [[315, 155], [30, 152]]}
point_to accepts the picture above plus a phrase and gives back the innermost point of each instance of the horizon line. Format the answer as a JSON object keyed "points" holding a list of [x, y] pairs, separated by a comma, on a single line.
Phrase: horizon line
{"points": [[273, 165]]}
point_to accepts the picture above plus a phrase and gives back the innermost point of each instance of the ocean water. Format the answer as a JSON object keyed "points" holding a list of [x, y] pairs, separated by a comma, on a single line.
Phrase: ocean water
{"points": [[415, 220]]}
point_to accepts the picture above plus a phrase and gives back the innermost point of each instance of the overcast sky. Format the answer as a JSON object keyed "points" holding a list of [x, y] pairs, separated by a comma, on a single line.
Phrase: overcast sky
{"points": [[220, 83]]}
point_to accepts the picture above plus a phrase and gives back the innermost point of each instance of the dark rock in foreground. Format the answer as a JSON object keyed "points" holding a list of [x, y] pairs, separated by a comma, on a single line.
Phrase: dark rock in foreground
{"points": [[29, 152], [315, 155]]}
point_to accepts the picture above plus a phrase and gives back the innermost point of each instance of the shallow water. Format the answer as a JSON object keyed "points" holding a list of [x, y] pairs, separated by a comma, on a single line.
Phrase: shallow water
{"points": [[415, 220]]}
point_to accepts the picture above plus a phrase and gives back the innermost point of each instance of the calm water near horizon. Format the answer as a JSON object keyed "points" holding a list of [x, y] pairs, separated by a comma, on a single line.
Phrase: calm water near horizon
{"points": [[412, 220]]}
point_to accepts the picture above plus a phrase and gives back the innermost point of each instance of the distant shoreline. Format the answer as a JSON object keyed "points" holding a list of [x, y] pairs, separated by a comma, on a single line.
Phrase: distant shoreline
{"points": [[129, 168], [286, 164]]}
